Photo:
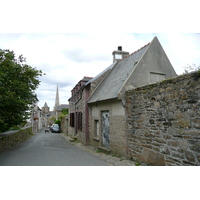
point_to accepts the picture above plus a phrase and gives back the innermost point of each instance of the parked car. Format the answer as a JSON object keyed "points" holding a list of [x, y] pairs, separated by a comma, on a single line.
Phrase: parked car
{"points": [[55, 128]]}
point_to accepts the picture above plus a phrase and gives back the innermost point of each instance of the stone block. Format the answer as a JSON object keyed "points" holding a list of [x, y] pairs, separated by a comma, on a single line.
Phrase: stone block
{"points": [[173, 131], [178, 114], [195, 147], [173, 143], [198, 158], [183, 123], [183, 144], [164, 150], [153, 158], [189, 155], [178, 155]]}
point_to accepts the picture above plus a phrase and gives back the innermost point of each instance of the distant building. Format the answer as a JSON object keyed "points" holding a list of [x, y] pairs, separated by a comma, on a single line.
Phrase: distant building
{"points": [[46, 115], [36, 118], [50, 116]]}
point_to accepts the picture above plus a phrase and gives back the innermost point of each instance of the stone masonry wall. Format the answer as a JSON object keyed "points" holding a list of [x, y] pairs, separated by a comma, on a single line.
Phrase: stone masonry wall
{"points": [[118, 137], [64, 124], [164, 122], [10, 139]]}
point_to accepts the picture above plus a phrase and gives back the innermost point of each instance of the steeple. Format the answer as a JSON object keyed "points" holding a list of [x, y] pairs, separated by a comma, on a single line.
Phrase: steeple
{"points": [[45, 105], [45, 108], [57, 103]]}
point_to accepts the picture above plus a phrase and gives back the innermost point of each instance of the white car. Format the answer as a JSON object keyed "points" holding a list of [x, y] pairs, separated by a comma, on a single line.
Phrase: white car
{"points": [[55, 128]]}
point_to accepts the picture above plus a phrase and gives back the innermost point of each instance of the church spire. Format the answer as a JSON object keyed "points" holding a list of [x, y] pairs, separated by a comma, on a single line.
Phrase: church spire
{"points": [[57, 103]]}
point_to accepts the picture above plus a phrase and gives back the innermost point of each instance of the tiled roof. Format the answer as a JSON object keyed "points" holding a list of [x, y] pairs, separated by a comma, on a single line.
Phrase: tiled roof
{"points": [[112, 84]]}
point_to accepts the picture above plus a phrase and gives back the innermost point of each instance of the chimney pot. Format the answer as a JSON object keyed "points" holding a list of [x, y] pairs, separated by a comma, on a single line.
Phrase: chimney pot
{"points": [[119, 48]]}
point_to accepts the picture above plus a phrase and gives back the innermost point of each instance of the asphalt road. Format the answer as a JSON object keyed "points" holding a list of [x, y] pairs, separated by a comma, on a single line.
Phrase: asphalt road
{"points": [[49, 149]]}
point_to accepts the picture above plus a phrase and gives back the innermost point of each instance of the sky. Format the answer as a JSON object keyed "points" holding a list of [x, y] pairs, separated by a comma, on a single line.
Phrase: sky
{"points": [[65, 58], [68, 40]]}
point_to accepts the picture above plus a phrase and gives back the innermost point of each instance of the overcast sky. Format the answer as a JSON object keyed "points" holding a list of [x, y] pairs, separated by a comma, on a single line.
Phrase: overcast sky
{"points": [[68, 40], [66, 58]]}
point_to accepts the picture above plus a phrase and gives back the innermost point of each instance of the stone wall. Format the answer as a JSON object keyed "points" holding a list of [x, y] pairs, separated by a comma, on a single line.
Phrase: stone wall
{"points": [[164, 122], [11, 138], [118, 136], [117, 126], [64, 124]]}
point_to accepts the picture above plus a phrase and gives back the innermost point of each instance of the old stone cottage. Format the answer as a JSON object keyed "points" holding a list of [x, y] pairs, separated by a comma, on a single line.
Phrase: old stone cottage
{"points": [[100, 117]]}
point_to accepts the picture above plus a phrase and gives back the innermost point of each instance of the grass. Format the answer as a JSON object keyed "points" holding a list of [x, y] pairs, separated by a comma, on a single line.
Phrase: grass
{"points": [[137, 164], [14, 128]]}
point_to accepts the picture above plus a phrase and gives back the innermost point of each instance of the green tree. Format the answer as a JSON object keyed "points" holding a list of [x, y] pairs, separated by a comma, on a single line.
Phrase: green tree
{"points": [[18, 82], [57, 122], [65, 111]]}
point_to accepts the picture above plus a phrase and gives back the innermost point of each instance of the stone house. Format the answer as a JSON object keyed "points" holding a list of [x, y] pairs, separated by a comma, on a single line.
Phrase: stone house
{"points": [[77, 111], [46, 115], [36, 118], [107, 118], [78, 119]]}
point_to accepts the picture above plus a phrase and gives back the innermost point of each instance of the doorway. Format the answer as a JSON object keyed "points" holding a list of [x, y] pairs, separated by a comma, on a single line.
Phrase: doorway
{"points": [[105, 129]]}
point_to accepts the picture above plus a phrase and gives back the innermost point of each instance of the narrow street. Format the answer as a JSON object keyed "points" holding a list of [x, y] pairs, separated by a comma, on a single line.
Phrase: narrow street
{"points": [[48, 149]]}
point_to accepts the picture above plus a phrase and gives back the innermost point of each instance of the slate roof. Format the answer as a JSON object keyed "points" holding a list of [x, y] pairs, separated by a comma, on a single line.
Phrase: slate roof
{"points": [[114, 81], [45, 105], [62, 106]]}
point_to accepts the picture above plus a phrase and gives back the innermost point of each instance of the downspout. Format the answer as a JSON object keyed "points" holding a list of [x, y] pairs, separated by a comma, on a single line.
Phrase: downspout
{"points": [[86, 115]]}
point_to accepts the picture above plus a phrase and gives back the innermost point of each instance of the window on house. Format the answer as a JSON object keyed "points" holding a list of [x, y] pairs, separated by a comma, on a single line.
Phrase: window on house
{"points": [[156, 77], [79, 119], [96, 127], [72, 119]]}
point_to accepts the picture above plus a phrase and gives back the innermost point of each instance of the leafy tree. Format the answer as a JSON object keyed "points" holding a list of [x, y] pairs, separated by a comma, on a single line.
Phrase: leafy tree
{"points": [[65, 111], [17, 84], [57, 122]]}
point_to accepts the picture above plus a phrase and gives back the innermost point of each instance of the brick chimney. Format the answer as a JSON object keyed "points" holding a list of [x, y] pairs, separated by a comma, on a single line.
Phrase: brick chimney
{"points": [[119, 54]]}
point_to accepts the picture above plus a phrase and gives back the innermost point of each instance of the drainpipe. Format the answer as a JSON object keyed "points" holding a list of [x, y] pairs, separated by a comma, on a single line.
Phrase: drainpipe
{"points": [[86, 116], [74, 103]]}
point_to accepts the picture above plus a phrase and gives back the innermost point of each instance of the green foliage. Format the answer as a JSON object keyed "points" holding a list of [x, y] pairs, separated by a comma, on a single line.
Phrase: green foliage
{"points": [[137, 164], [61, 116], [14, 128], [65, 111], [57, 122], [17, 84], [53, 118]]}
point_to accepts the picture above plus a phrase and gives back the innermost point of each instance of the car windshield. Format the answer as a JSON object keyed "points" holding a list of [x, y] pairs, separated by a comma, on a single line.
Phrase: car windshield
{"points": [[55, 125]]}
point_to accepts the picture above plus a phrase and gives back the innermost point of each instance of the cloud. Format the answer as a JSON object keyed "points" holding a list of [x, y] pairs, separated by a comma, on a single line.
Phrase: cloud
{"points": [[66, 58]]}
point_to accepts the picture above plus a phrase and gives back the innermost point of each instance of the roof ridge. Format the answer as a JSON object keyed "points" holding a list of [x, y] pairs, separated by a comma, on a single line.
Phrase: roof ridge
{"points": [[135, 51]]}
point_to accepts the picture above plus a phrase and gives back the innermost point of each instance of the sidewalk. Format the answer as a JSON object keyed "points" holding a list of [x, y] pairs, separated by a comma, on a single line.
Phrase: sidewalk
{"points": [[115, 161]]}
